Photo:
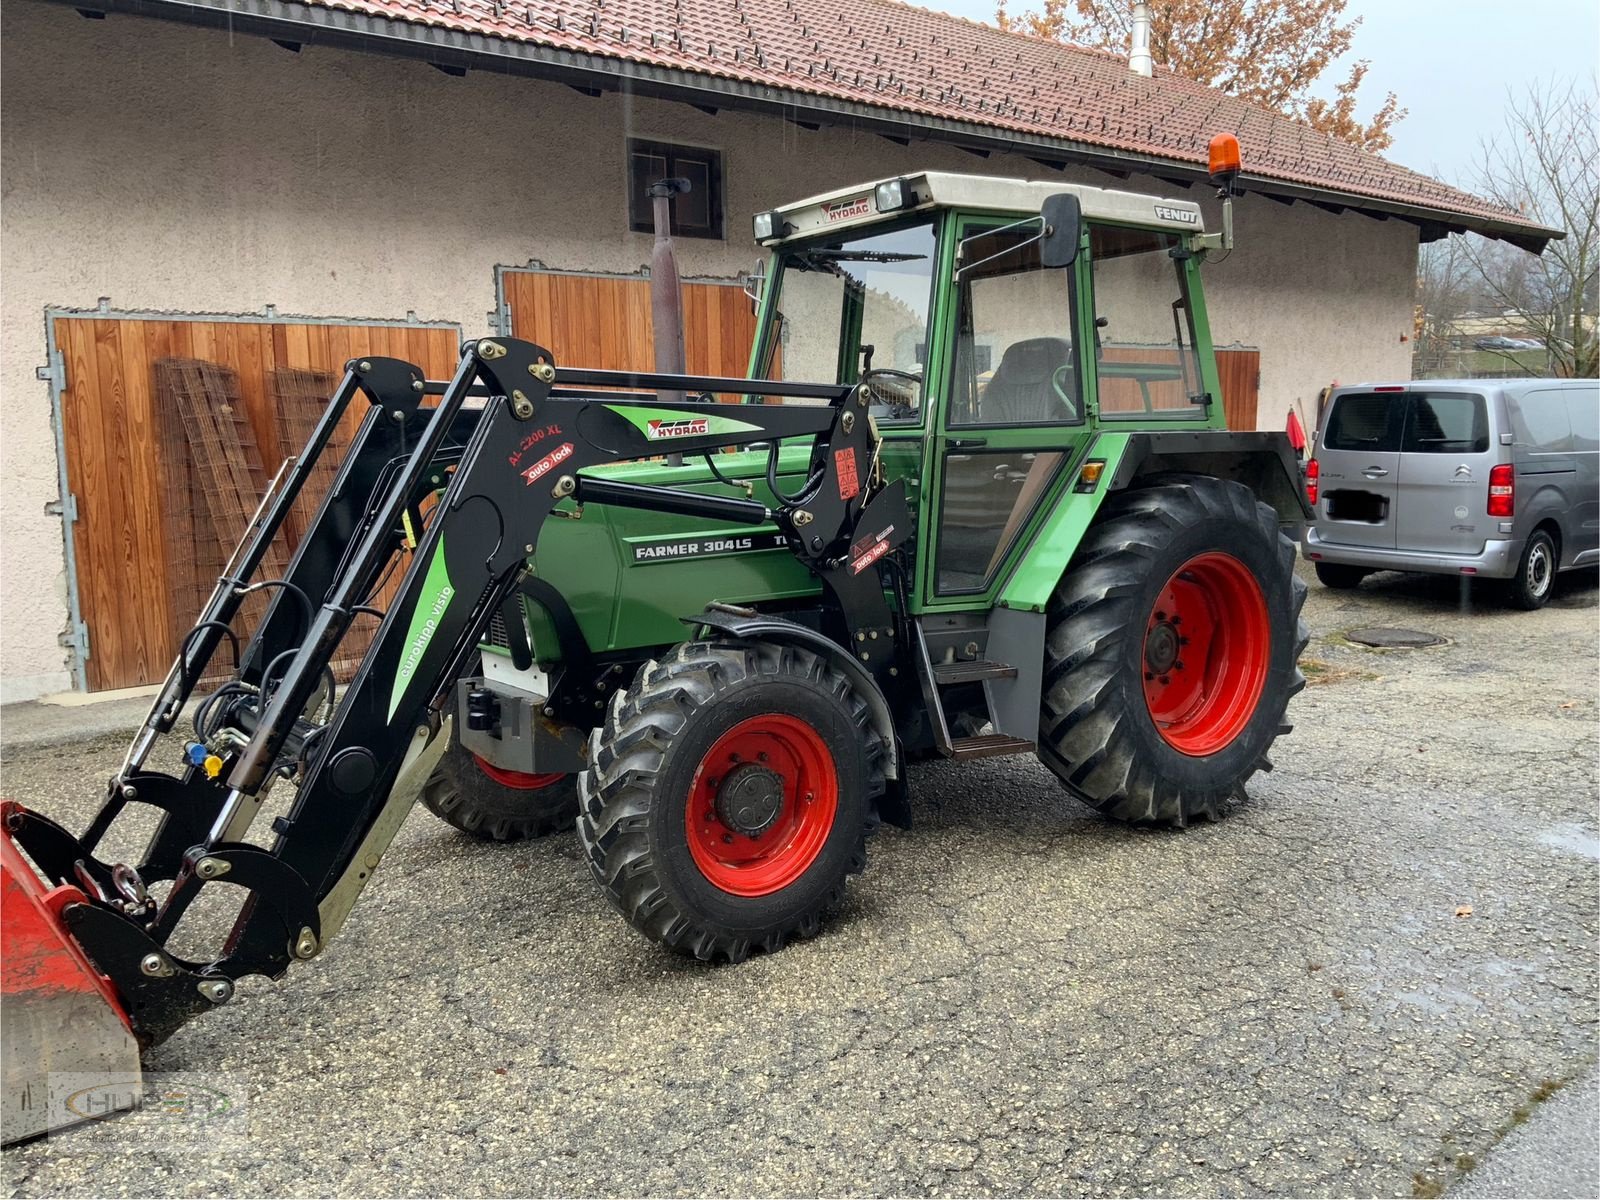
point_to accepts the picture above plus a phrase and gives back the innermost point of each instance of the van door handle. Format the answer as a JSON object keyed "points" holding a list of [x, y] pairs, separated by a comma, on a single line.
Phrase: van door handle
{"points": [[965, 443], [1375, 472]]}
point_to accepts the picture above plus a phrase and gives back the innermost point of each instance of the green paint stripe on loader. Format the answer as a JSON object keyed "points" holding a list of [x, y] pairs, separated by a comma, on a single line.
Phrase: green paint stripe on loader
{"points": [[434, 599]]}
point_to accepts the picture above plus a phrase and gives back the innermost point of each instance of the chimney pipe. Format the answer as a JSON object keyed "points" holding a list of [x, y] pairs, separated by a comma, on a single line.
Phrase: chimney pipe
{"points": [[1139, 54]]}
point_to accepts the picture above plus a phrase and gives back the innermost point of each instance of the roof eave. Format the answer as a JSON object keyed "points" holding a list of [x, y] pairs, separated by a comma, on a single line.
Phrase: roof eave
{"points": [[365, 32]]}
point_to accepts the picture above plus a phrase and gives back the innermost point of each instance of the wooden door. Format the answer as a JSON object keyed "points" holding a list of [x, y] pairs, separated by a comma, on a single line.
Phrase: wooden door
{"points": [[1240, 375], [604, 321], [118, 461]]}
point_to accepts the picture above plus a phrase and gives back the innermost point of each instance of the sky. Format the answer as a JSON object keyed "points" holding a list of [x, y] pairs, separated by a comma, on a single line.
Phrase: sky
{"points": [[1450, 62]]}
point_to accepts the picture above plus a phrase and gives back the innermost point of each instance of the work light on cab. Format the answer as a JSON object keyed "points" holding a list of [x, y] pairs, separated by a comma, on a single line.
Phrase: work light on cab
{"points": [[893, 195], [767, 226]]}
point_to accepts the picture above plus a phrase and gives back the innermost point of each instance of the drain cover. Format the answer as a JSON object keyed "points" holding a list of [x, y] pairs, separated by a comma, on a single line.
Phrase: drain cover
{"points": [[1394, 639]]}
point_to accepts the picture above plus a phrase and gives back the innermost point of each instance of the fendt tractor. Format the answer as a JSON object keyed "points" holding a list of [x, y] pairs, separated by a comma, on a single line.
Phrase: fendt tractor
{"points": [[976, 498]]}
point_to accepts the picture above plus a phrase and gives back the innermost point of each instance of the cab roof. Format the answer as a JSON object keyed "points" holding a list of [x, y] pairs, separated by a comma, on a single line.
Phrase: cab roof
{"points": [[850, 206]]}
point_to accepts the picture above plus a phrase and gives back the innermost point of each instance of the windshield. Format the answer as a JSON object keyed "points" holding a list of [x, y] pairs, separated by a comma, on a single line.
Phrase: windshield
{"points": [[856, 308]]}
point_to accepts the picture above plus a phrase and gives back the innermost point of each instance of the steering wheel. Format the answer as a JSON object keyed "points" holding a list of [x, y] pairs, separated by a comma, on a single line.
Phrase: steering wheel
{"points": [[1061, 381], [895, 390]]}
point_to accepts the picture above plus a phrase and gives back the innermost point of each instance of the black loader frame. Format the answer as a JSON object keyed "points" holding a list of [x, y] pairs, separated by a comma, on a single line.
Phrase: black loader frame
{"points": [[504, 446]]}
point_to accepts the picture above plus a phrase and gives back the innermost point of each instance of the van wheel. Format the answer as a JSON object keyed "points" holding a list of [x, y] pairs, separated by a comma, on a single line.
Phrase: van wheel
{"points": [[1341, 576], [1536, 573]]}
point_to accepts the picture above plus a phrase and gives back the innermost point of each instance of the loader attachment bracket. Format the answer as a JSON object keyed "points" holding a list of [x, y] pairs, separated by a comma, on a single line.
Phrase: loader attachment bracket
{"points": [[458, 493]]}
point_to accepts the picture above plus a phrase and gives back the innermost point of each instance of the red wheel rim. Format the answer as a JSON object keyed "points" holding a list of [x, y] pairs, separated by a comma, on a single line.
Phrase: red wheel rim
{"points": [[783, 762], [1206, 648], [521, 780]]}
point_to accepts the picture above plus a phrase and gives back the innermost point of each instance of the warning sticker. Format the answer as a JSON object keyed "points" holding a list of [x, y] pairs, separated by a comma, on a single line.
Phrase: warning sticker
{"points": [[867, 551], [844, 461]]}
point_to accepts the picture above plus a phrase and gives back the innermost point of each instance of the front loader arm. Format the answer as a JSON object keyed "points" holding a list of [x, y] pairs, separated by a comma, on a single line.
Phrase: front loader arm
{"points": [[519, 434]]}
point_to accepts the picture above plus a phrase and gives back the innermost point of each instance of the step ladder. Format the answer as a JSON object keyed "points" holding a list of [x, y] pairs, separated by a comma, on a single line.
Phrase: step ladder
{"points": [[937, 676]]}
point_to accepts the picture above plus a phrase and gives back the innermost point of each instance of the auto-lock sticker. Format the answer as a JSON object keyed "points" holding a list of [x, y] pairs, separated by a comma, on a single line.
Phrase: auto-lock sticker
{"points": [[869, 550]]}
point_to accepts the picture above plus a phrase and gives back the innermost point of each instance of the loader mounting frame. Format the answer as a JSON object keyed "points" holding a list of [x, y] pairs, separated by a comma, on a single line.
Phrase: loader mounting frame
{"points": [[504, 446]]}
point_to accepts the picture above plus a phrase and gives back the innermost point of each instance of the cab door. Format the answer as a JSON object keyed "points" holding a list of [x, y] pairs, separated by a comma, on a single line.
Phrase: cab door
{"points": [[1013, 418]]}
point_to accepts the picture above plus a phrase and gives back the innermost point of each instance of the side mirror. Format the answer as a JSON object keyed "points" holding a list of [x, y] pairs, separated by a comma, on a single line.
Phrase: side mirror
{"points": [[754, 285], [1063, 221]]}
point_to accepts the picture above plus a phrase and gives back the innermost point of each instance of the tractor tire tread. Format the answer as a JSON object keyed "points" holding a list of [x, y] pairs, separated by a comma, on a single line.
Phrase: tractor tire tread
{"points": [[627, 753], [1084, 735]]}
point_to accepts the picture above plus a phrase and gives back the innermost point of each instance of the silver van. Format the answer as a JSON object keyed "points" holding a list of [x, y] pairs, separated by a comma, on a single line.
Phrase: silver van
{"points": [[1492, 477]]}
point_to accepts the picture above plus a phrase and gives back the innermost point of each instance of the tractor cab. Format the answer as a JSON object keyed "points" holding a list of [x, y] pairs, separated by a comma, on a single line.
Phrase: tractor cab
{"points": [[999, 325]]}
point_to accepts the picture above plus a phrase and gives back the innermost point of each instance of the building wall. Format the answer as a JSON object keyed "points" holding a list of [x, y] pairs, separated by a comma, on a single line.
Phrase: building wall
{"points": [[183, 169]]}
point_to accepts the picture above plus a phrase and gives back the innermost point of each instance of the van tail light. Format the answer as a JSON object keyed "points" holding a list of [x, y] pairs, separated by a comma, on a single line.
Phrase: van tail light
{"points": [[1313, 476], [1502, 491]]}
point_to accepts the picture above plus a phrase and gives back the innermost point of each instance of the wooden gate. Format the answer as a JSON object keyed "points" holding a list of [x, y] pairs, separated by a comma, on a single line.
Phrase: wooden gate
{"points": [[604, 321], [1240, 375], [118, 466]]}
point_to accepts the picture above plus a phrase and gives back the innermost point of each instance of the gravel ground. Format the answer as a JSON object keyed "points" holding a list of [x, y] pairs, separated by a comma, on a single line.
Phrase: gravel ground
{"points": [[1357, 983]]}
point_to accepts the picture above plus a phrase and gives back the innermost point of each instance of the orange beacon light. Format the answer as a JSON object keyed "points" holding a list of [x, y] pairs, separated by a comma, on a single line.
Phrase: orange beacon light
{"points": [[1224, 161]]}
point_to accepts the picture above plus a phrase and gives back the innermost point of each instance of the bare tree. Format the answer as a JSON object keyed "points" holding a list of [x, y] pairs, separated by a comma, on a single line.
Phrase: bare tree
{"points": [[1447, 287], [1547, 166]]}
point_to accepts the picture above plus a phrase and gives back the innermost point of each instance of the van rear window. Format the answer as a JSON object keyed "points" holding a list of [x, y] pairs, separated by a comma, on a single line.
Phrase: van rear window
{"points": [[1448, 423], [1365, 421]]}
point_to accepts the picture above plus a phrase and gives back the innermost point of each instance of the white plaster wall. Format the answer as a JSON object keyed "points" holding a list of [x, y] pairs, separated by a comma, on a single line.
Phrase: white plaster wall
{"points": [[185, 169]]}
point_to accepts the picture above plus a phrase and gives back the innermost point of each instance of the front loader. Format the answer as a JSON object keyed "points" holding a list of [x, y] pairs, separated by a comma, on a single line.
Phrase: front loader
{"points": [[976, 499]]}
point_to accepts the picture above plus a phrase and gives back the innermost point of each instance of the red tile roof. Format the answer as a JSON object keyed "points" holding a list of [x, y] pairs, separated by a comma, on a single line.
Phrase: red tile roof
{"points": [[910, 60]]}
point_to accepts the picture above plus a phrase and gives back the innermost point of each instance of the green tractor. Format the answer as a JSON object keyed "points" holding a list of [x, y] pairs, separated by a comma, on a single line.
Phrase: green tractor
{"points": [[1096, 575], [975, 498]]}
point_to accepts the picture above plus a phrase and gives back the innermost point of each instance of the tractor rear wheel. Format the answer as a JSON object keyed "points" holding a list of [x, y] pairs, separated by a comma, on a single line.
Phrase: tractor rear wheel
{"points": [[1172, 651], [495, 804], [729, 794]]}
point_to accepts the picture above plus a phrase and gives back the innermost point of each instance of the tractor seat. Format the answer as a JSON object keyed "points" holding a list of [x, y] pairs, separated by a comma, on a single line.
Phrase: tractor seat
{"points": [[1020, 391]]}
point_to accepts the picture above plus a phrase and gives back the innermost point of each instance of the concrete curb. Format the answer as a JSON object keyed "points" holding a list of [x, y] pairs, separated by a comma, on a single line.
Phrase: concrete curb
{"points": [[1556, 1153], [37, 725]]}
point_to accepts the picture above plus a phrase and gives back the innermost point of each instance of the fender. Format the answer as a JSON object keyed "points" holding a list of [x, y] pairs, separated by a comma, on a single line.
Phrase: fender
{"points": [[769, 628], [1262, 461]]}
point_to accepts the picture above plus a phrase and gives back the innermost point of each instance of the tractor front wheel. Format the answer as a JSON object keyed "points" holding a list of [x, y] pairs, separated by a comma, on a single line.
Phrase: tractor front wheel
{"points": [[1172, 652], [729, 794], [488, 802]]}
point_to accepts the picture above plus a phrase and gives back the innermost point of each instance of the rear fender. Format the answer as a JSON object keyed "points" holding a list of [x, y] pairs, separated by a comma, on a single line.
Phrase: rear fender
{"points": [[1264, 462], [769, 628]]}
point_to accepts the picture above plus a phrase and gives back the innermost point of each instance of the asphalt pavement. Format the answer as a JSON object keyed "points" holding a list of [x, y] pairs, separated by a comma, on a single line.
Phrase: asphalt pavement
{"points": [[1374, 977]]}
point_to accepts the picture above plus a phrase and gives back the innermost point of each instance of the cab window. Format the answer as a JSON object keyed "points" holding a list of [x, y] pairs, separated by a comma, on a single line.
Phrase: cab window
{"points": [[1014, 357], [1145, 357], [854, 309]]}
